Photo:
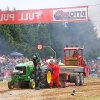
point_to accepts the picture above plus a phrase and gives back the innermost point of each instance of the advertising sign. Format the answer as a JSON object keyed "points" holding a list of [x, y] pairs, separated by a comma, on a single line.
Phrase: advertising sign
{"points": [[71, 14]]}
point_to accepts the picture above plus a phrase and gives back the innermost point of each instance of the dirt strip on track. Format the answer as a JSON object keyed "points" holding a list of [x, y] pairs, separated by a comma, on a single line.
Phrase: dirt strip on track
{"points": [[89, 91]]}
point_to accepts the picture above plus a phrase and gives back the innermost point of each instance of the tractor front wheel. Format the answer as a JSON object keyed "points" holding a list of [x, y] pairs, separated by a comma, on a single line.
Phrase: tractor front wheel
{"points": [[32, 84]]}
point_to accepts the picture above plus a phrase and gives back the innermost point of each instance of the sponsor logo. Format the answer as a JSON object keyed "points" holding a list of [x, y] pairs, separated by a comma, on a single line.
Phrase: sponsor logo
{"points": [[61, 15]]}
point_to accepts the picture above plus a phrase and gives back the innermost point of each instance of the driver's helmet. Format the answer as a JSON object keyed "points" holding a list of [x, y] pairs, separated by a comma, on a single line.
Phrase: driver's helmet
{"points": [[36, 55]]}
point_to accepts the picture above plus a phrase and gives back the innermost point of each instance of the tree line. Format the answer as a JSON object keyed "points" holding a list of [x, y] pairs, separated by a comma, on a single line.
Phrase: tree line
{"points": [[25, 37]]}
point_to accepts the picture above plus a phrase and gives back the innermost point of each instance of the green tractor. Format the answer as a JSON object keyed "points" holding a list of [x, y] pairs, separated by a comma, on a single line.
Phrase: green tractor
{"points": [[23, 76]]}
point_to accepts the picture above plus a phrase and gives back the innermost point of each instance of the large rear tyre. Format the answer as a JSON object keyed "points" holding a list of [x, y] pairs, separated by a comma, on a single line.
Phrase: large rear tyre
{"points": [[81, 79], [62, 78], [63, 84], [32, 84], [75, 78], [46, 77], [10, 85]]}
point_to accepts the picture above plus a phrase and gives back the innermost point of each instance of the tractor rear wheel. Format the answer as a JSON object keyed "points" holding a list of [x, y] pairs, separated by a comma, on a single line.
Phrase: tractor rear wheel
{"points": [[32, 84], [46, 77], [10, 85]]}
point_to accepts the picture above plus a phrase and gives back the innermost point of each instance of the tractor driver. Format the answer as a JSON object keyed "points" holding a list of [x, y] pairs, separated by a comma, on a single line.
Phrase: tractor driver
{"points": [[75, 54], [79, 58], [36, 59]]}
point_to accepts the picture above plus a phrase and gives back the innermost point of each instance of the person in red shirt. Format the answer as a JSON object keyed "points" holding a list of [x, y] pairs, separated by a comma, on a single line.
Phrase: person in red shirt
{"points": [[79, 57], [75, 54], [55, 76]]}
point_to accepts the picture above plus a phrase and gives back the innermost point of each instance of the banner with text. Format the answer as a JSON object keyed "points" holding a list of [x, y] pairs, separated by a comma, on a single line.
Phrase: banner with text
{"points": [[72, 14]]}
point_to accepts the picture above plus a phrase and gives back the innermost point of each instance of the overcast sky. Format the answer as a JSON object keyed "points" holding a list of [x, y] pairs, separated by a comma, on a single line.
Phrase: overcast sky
{"points": [[94, 9]]}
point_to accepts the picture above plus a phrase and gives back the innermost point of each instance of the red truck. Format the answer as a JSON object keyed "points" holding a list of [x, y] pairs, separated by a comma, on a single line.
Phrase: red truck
{"points": [[73, 69]]}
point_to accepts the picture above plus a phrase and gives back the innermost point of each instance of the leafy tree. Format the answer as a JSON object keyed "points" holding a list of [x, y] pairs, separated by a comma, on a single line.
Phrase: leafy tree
{"points": [[83, 34], [25, 37]]}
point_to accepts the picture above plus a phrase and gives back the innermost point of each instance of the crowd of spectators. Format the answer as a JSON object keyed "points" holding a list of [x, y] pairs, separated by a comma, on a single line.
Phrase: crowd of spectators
{"points": [[8, 62], [94, 66], [93, 63]]}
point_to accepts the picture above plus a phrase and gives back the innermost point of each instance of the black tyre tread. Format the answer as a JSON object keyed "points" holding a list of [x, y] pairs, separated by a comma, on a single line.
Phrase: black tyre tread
{"points": [[71, 78], [62, 79], [44, 76], [63, 84], [77, 78], [74, 78], [9, 85], [81, 79]]}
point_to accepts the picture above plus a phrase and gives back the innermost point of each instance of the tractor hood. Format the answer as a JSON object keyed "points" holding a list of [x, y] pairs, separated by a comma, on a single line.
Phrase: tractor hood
{"points": [[29, 63]]}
